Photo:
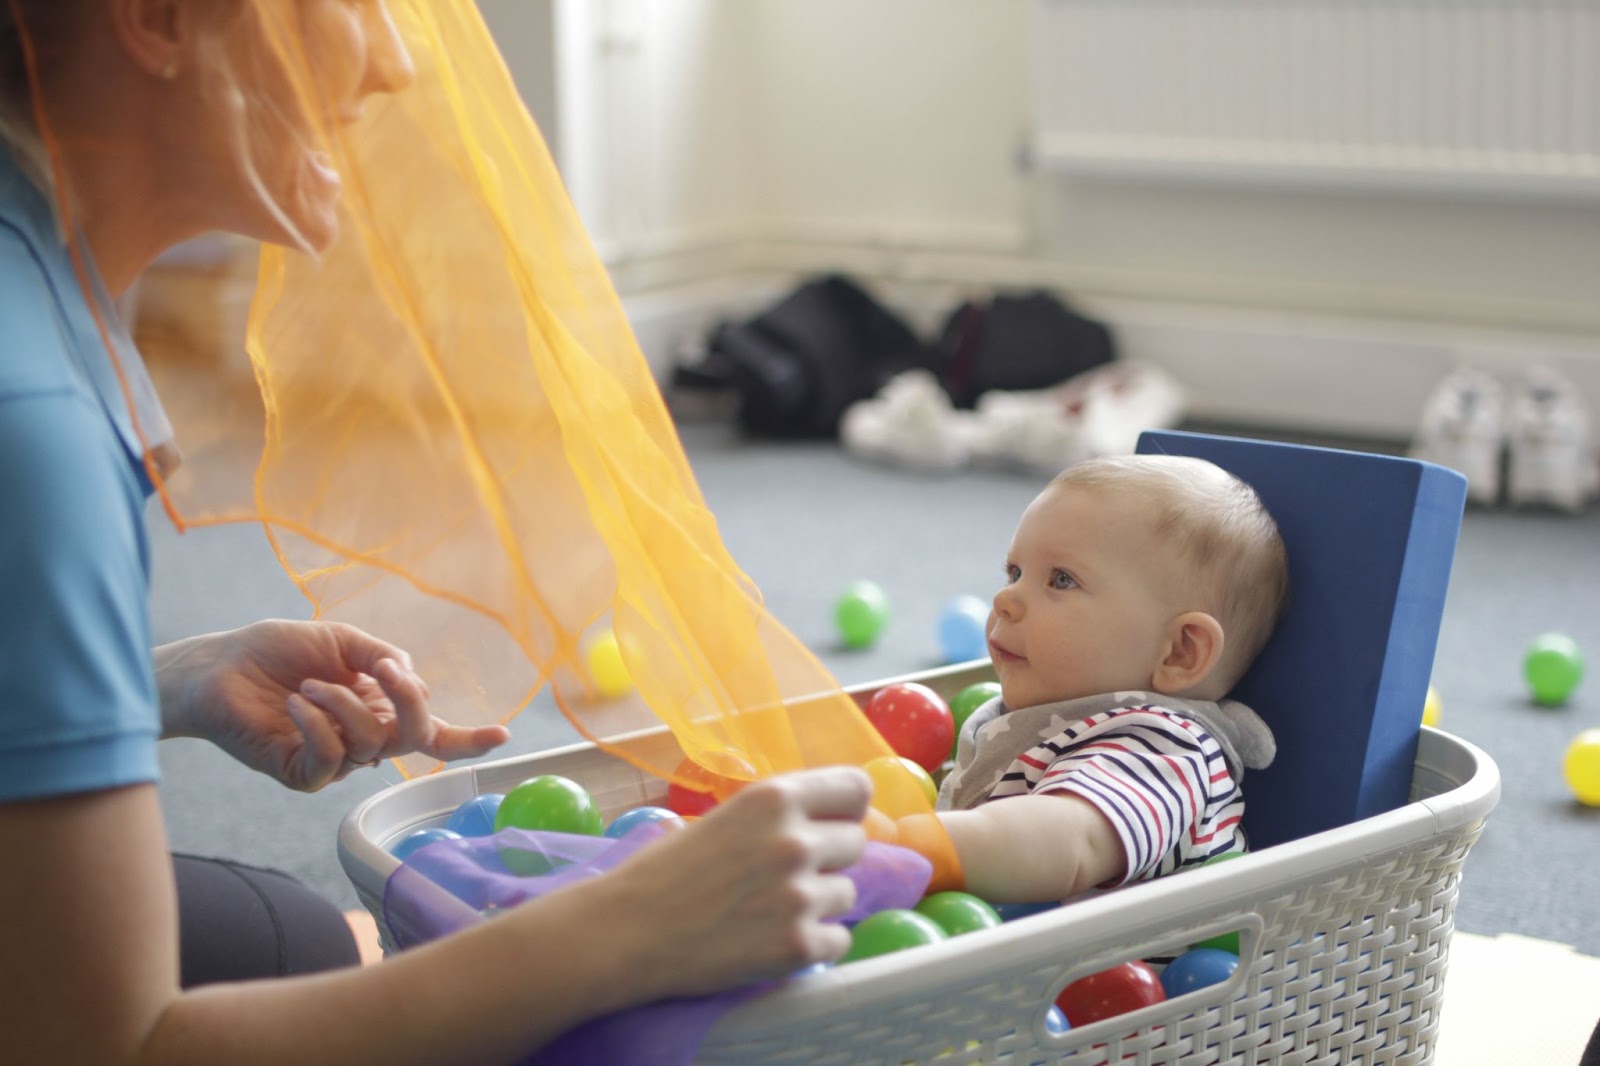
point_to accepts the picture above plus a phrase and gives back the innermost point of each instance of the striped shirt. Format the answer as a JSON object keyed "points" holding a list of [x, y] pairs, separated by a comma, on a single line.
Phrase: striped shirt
{"points": [[1162, 775]]}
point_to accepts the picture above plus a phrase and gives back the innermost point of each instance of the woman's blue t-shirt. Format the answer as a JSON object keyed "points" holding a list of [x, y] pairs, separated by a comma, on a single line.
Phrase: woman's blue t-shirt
{"points": [[78, 705]]}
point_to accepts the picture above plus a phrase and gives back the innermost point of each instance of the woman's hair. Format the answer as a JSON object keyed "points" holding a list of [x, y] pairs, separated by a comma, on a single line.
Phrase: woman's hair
{"points": [[1221, 530], [49, 24], [47, 31]]}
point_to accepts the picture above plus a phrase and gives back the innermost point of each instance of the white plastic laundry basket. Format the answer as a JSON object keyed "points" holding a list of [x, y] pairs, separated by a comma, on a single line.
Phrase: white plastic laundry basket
{"points": [[1344, 945]]}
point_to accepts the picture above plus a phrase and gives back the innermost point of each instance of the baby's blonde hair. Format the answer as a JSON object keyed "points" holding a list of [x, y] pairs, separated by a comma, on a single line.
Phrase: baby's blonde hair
{"points": [[1221, 529]]}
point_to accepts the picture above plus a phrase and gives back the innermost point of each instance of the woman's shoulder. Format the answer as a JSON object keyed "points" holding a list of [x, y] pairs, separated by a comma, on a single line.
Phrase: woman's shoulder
{"points": [[34, 347]]}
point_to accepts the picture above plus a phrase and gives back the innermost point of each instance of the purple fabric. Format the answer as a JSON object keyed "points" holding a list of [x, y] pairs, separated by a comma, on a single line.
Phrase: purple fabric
{"points": [[451, 884]]}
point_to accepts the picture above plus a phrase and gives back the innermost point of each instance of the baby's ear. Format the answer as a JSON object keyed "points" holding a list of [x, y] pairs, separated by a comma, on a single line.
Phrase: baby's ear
{"points": [[1192, 650]]}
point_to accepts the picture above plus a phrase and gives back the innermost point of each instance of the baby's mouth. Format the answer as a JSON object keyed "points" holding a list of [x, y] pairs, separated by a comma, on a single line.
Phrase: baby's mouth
{"points": [[1003, 654]]}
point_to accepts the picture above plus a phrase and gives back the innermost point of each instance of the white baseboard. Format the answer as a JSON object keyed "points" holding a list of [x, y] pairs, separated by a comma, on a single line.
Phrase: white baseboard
{"points": [[1348, 377]]}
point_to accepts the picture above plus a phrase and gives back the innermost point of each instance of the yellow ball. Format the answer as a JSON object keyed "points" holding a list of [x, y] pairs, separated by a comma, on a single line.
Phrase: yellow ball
{"points": [[1582, 767], [603, 657], [1430, 708], [900, 787]]}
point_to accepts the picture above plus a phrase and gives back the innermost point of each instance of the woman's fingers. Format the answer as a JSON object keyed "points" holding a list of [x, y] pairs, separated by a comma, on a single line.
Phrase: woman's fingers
{"points": [[463, 742], [833, 895], [413, 727], [364, 735], [322, 755], [831, 792]]}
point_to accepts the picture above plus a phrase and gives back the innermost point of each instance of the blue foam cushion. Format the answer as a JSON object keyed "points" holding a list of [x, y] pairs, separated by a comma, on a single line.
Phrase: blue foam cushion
{"points": [[1370, 540]]}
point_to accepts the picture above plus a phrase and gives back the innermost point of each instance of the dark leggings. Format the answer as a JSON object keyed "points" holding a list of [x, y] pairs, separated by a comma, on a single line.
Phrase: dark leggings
{"points": [[1591, 1054], [236, 923]]}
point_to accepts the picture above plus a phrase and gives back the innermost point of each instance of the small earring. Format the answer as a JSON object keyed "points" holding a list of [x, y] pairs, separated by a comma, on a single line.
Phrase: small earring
{"points": [[170, 71]]}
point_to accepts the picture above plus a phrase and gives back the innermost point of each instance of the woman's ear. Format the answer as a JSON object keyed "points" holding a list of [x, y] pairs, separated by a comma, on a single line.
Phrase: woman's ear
{"points": [[152, 33], [1192, 649]]}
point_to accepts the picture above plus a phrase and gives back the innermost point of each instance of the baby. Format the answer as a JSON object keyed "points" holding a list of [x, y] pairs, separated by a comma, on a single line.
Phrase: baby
{"points": [[1138, 591]]}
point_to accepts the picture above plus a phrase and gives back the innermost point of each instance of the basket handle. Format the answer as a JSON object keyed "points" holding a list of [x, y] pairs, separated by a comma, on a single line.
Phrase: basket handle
{"points": [[1248, 924]]}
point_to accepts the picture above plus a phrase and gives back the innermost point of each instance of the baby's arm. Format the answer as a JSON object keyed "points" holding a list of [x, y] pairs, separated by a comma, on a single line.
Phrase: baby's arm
{"points": [[1028, 849]]}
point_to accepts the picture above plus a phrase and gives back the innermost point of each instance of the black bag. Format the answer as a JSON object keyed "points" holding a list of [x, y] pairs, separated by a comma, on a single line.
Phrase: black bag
{"points": [[796, 366], [1017, 342]]}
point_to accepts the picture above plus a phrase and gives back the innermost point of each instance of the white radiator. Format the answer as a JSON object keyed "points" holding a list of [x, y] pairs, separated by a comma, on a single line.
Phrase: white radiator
{"points": [[1480, 96]]}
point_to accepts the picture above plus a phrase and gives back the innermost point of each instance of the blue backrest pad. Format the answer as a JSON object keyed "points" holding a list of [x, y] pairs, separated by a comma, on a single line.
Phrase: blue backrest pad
{"points": [[1370, 540]]}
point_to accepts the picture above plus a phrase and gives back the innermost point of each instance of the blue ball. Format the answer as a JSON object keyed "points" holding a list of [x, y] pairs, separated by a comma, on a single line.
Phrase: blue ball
{"points": [[628, 821], [1010, 912], [1197, 968], [475, 818], [421, 838], [1055, 1021], [963, 629]]}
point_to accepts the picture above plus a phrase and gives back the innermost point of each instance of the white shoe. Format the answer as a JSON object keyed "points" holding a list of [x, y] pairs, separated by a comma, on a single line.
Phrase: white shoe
{"points": [[909, 423], [1551, 444], [1463, 428]]}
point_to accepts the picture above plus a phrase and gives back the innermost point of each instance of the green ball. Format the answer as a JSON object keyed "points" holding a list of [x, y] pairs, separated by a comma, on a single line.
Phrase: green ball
{"points": [[549, 802], [1228, 942], [891, 930], [968, 700], [958, 912], [1553, 667], [861, 613]]}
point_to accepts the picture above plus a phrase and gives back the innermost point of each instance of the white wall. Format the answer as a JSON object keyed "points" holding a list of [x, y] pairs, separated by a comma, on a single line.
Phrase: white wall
{"points": [[726, 138]]}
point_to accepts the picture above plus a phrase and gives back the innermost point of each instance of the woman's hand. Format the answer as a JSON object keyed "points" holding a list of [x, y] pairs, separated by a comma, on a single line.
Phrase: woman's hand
{"points": [[743, 894], [306, 702]]}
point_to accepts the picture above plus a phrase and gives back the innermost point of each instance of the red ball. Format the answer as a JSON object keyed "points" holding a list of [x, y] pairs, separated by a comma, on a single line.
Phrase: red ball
{"points": [[1109, 993], [915, 721], [692, 802]]}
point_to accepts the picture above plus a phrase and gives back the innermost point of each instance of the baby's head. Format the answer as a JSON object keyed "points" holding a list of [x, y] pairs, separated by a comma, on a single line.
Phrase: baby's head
{"points": [[1150, 572]]}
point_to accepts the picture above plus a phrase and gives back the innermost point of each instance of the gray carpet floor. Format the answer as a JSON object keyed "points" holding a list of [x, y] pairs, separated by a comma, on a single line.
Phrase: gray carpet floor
{"points": [[805, 519]]}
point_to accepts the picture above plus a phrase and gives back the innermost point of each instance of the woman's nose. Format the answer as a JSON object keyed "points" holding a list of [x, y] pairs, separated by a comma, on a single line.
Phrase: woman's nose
{"points": [[389, 66]]}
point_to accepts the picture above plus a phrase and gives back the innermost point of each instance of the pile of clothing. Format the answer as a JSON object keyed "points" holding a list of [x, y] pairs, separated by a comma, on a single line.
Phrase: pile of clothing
{"points": [[1012, 379]]}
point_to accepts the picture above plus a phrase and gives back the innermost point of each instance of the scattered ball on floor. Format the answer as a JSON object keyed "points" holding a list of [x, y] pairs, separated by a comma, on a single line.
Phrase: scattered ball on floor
{"points": [[1552, 667], [861, 614]]}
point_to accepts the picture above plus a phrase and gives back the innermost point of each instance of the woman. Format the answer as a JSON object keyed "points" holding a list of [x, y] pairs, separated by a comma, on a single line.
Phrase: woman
{"points": [[91, 970]]}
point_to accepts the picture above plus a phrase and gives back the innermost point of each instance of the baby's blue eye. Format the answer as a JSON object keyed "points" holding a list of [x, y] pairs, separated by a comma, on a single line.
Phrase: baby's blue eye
{"points": [[1013, 572], [1060, 579]]}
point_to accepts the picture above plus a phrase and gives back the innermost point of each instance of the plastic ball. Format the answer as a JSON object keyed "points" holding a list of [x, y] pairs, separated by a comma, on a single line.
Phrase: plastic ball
{"points": [[1010, 912], [421, 838], [1553, 667], [889, 931], [629, 820], [698, 789], [900, 787], [1055, 1021], [915, 721], [1228, 942], [1109, 993], [861, 614], [602, 657], [549, 802], [1197, 968], [970, 699], [958, 912], [475, 817], [1581, 765], [964, 629], [1431, 708]]}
